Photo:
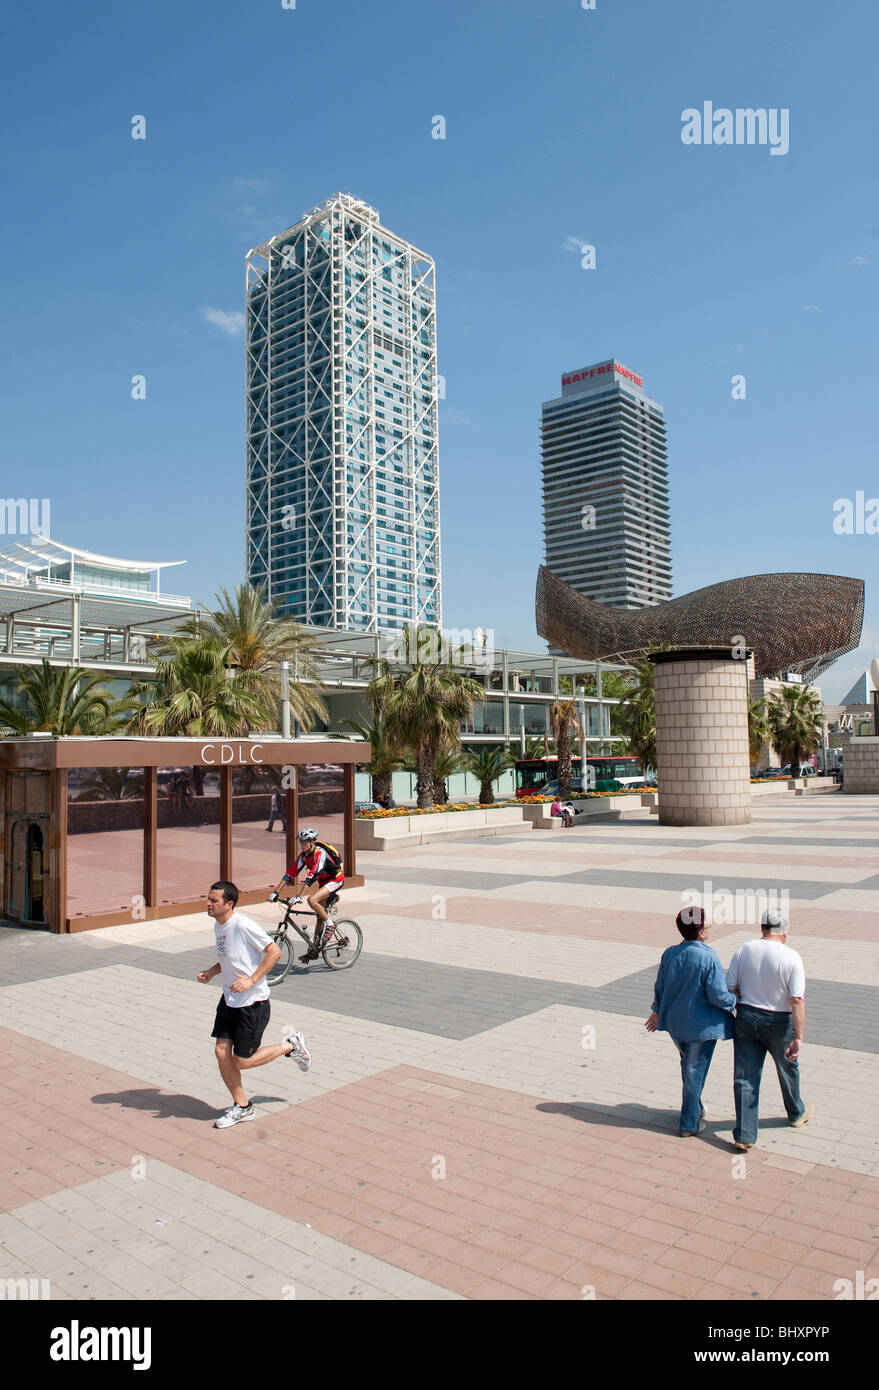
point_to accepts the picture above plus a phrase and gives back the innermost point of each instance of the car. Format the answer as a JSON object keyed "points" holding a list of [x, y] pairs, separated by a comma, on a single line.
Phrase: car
{"points": [[360, 806], [552, 788], [806, 770]]}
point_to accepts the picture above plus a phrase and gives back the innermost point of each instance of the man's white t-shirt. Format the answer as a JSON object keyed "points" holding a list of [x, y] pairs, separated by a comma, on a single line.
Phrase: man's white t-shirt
{"points": [[240, 946], [767, 974]]}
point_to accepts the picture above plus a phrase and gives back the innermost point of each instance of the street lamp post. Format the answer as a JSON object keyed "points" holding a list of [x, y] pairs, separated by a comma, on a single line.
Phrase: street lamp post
{"points": [[285, 699]]}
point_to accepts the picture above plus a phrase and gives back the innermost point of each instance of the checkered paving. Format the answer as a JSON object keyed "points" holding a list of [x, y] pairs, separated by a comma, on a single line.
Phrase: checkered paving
{"points": [[485, 1117]]}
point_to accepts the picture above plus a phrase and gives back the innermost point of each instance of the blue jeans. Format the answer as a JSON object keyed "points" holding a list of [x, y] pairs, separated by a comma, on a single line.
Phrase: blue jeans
{"points": [[695, 1061], [756, 1032]]}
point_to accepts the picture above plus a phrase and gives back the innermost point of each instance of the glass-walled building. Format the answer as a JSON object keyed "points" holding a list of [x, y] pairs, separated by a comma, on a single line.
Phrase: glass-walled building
{"points": [[605, 488], [342, 452]]}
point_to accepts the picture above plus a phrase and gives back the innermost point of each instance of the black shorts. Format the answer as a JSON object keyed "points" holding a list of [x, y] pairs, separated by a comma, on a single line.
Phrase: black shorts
{"points": [[245, 1026]]}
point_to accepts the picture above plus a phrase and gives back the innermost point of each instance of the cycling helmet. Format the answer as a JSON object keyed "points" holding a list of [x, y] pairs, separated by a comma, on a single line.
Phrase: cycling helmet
{"points": [[306, 835]]}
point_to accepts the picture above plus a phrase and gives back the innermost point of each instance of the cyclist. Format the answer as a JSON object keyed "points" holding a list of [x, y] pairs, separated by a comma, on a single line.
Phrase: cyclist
{"points": [[322, 880]]}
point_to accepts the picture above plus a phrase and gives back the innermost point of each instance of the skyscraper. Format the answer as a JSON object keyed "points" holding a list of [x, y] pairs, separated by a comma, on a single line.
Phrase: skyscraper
{"points": [[605, 488], [342, 456]]}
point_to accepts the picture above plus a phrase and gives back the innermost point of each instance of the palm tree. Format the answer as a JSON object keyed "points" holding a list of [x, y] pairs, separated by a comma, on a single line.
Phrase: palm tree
{"points": [[193, 695], [425, 704], [758, 729], [386, 756], [795, 725], [534, 748], [63, 702], [446, 762], [488, 764], [638, 717], [258, 640], [112, 784], [564, 721]]}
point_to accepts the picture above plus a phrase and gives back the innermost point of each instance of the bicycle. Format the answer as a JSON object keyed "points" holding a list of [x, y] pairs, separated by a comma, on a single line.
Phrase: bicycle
{"points": [[339, 952]]}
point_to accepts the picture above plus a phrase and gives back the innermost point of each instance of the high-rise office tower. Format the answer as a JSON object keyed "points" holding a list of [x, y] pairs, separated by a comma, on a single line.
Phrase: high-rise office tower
{"points": [[605, 488], [342, 457]]}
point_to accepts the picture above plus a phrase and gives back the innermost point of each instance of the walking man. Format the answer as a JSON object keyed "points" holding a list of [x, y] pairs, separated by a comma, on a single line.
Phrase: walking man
{"points": [[246, 955], [277, 811], [769, 979], [692, 1003]]}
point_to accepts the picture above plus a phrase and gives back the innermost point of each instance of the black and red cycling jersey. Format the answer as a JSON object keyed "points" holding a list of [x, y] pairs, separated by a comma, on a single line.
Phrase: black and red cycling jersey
{"points": [[319, 866]]}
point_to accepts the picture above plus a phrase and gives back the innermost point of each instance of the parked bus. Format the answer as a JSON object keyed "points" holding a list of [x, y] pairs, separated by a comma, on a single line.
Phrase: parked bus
{"points": [[539, 776]]}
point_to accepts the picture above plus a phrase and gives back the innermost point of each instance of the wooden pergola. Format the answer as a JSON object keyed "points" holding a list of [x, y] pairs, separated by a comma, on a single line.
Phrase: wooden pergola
{"points": [[34, 797]]}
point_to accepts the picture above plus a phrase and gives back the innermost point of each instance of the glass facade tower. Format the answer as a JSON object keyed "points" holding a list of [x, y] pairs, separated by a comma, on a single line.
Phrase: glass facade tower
{"points": [[605, 488], [342, 453]]}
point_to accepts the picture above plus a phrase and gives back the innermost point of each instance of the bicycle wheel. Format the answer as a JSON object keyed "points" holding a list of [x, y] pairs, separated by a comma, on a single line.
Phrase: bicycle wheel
{"points": [[344, 946], [284, 961]]}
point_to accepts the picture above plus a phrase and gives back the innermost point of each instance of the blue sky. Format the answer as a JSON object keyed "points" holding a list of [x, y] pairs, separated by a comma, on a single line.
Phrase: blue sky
{"points": [[563, 127]]}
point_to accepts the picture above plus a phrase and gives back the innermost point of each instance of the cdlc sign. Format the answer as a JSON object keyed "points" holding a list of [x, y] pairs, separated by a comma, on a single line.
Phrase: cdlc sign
{"points": [[228, 753]]}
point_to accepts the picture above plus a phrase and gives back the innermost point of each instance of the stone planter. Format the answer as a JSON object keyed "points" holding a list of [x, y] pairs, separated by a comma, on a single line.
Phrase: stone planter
{"points": [[397, 832]]}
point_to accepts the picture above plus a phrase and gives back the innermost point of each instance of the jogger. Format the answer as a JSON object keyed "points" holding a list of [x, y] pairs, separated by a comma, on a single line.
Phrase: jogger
{"points": [[246, 954]]}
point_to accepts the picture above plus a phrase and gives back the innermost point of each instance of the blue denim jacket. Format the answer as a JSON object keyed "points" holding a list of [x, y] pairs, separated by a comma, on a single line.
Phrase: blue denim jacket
{"points": [[690, 996]]}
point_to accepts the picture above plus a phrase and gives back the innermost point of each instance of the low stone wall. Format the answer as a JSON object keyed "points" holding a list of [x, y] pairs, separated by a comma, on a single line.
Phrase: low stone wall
{"points": [[539, 813], [395, 832], [861, 767], [85, 816], [800, 785]]}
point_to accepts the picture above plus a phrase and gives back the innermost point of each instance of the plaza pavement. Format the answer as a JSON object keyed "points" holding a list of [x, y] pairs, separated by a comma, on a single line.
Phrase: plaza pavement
{"points": [[485, 1118]]}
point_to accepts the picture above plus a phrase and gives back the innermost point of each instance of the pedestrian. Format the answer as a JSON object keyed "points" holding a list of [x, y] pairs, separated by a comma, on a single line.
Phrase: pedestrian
{"points": [[277, 812], [560, 812], [692, 1003], [246, 955], [387, 803], [769, 979]]}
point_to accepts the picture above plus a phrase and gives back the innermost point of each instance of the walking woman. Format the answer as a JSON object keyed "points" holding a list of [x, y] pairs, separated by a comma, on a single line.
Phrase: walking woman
{"points": [[692, 1003]]}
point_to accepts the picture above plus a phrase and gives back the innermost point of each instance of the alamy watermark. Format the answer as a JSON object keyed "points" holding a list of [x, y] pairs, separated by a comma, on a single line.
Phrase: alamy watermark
{"points": [[743, 126], [21, 1289], [25, 516], [745, 906], [444, 646], [857, 1288], [856, 518]]}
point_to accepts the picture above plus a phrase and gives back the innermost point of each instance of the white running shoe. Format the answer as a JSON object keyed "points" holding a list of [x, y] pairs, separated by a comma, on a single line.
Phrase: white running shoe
{"points": [[234, 1115], [300, 1053]]}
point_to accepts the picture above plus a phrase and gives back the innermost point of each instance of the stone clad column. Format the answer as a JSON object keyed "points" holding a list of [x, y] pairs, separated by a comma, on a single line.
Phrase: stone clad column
{"points": [[704, 769]]}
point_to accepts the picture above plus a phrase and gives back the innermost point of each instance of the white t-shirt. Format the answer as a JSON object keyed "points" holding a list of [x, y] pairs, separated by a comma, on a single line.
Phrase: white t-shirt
{"points": [[767, 974], [240, 946]]}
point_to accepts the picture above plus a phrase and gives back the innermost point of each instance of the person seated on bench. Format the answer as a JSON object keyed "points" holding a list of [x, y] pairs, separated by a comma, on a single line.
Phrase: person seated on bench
{"points": [[566, 812]]}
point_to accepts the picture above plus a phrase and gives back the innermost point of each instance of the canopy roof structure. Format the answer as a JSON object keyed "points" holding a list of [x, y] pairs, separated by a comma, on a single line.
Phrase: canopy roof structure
{"points": [[59, 602], [792, 622]]}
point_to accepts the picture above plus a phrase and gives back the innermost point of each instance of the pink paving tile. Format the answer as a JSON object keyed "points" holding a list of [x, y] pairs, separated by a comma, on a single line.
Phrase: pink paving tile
{"points": [[552, 1232]]}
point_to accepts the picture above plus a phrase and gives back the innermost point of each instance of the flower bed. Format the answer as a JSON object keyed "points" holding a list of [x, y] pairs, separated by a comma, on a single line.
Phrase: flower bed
{"points": [[435, 810], [493, 805]]}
